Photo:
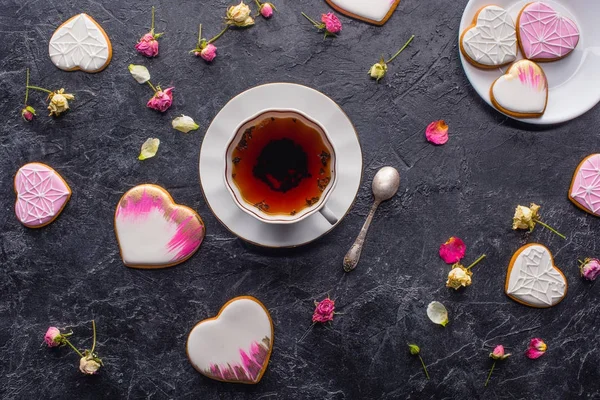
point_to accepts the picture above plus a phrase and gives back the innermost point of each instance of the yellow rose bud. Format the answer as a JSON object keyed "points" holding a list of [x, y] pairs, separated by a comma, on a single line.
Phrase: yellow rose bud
{"points": [[378, 70], [59, 102], [239, 15], [525, 217], [459, 277]]}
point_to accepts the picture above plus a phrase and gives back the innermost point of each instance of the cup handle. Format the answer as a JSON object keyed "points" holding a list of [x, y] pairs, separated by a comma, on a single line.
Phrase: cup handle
{"points": [[329, 216]]}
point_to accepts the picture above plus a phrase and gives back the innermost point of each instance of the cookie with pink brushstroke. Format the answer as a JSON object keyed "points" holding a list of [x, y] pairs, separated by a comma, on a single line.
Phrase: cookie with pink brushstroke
{"points": [[585, 186], [522, 91], [235, 346], [153, 231]]}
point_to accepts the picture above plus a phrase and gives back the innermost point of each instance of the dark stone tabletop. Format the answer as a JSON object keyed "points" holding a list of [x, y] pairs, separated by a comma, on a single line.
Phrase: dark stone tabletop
{"points": [[70, 272]]}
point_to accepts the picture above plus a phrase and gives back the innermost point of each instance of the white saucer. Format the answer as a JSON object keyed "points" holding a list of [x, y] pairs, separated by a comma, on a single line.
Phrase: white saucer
{"points": [[279, 95], [574, 81]]}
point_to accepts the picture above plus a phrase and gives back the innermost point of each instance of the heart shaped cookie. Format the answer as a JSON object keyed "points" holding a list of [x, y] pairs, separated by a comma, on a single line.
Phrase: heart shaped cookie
{"points": [[491, 41], [533, 279], [80, 43], [522, 92], [545, 35], [585, 186], [153, 231], [41, 194], [372, 11], [235, 346]]}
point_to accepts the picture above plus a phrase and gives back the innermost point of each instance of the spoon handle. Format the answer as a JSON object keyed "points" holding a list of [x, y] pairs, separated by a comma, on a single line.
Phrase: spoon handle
{"points": [[353, 255]]}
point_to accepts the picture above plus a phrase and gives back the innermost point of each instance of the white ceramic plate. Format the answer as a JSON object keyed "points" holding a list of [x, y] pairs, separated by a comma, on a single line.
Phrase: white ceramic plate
{"points": [[280, 95], [574, 81]]}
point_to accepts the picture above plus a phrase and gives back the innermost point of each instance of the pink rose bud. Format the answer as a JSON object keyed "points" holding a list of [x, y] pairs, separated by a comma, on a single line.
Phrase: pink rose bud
{"points": [[498, 353], [266, 10], [324, 311], [332, 23], [53, 337], [148, 45], [536, 349], [590, 269], [28, 113], [162, 100], [453, 250], [437, 132], [208, 53]]}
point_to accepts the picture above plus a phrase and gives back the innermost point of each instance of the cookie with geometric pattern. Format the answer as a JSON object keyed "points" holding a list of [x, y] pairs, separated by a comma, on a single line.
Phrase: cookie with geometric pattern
{"points": [[41, 194], [585, 186], [533, 279], [491, 41], [80, 44]]}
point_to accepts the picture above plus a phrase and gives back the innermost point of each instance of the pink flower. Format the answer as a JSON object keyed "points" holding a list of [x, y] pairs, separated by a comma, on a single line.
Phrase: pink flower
{"points": [[590, 268], [148, 45], [498, 353], [536, 349], [208, 53], [453, 250], [162, 100], [53, 338], [266, 10], [28, 113], [437, 132], [324, 311], [332, 23]]}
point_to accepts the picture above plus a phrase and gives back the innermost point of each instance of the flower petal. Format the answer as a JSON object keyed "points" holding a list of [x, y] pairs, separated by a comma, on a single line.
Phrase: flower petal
{"points": [[139, 73], [149, 148], [437, 132], [184, 124], [453, 250], [437, 313], [534, 353]]}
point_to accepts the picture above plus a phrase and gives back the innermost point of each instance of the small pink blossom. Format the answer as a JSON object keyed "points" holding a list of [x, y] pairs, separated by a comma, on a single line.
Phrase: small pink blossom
{"points": [[162, 100], [53, 338], [266, 10], [332, 23], [324, 311], [437, 132], [536, 349], [453, 250], [590, 268], [28, 113], [148, 45], [498, 353], [208, 53]]}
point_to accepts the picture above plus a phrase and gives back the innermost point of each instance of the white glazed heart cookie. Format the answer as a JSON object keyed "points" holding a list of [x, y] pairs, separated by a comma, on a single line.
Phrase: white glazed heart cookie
{"points": [[80, 43], [235, 346], [491, 41], [522, 92], [372, 11], [533, 279], [153, 231]]}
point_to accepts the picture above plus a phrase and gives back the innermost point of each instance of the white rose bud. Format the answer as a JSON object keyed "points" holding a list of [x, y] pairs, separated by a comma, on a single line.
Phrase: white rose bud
{"points": [[184, 124], [239, 15], [88, 365]]}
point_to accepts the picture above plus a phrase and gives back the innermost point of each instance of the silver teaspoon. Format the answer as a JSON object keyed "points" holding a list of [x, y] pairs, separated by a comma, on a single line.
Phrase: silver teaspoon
{"points": [[385, 185]]}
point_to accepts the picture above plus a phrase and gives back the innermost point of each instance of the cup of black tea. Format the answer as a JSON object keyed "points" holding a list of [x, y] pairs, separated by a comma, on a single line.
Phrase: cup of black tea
{"points": [[280, 167]]}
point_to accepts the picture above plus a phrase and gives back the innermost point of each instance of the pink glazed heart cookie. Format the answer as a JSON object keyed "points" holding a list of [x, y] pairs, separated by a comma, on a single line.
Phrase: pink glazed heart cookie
{"points": [[522, 92], [235, 346], [545, 35], [585, 186], [41, 194], [153, 231]]}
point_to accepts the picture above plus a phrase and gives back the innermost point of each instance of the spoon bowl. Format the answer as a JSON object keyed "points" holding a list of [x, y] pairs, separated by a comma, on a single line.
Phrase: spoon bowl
{"points": [[386, 183]]}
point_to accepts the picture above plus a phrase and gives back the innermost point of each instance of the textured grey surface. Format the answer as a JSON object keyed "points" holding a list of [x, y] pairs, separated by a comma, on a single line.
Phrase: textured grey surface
{"points": [[70, 271]]}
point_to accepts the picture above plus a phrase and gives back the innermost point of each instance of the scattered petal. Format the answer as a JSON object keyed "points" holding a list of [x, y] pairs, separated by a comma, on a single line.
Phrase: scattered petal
{"points": [[149, 148], [437, 132], [437, 313], [453, 250], [184, 124], [139, 73], [537, 348]]}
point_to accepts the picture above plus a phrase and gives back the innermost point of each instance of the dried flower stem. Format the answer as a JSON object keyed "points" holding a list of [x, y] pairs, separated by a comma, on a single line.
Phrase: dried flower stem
{"points": [[476, 261], [152, 26], [550, 228], [400, 51], [152, 86], [94, 333], [490, 374], [73, 347], [39, 88], [306, 333], [27, 87], [218, 35], [312, 21], [424, 367]]}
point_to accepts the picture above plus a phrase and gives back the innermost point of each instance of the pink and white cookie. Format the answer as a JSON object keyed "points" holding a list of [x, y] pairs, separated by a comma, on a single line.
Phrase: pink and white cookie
{"points": [[544, 34], [153, 231], [585, 186], [235, 346], [41, 194], [522, 92], [491, 41]]}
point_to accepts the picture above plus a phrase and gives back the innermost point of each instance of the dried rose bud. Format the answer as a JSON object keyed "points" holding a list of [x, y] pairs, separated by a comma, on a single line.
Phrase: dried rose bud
{"points": [[378, 70], [59, 102], [266, 10], [28, 113], [590, 268], [208, 53], [332, 23], [498, 353], [459, 277], [162, 100], [53, 337], [239, 15], [89, 364], [324, 310]]}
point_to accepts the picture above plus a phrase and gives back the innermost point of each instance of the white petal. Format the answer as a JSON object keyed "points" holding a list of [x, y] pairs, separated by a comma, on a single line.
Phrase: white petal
{"points": [[437, 313], [139, 73], [149, 148], [184, 124]]}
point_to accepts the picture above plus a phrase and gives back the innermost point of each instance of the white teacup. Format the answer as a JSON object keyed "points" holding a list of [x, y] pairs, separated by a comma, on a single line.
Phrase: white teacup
{"points": [[260, 212]]}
